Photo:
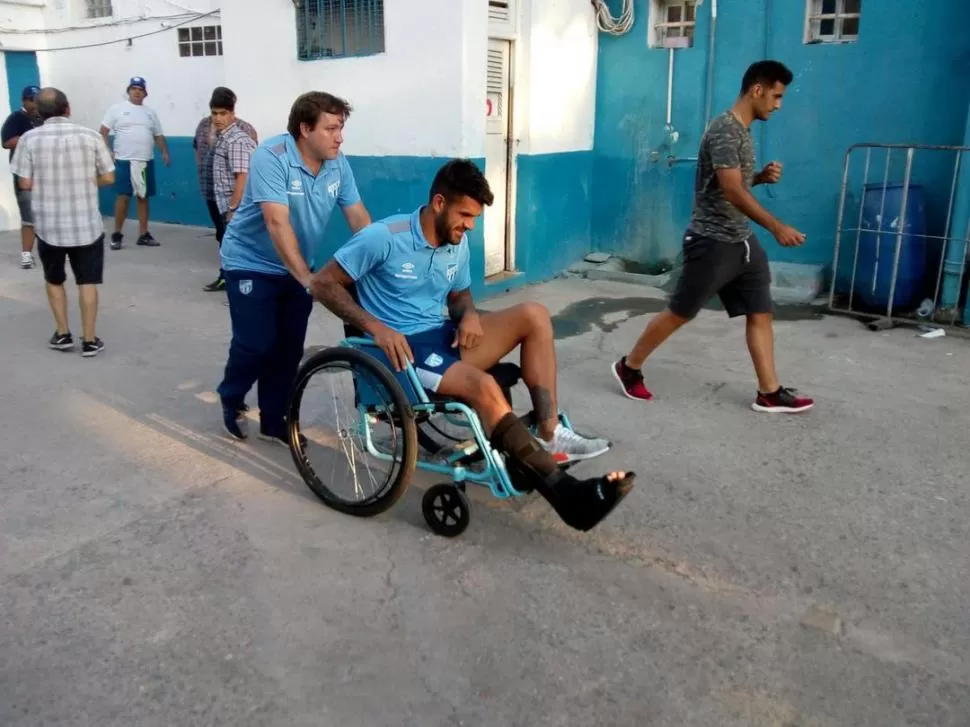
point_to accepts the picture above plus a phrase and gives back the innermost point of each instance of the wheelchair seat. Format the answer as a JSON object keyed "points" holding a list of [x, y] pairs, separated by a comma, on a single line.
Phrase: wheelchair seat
{"points": [[506, 373]]}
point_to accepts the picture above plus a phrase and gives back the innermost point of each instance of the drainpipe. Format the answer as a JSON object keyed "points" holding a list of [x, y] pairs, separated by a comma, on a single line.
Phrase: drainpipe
{"points": [[670, 85], [765, 158], [712, 35], [671, 158], [959, 234]]}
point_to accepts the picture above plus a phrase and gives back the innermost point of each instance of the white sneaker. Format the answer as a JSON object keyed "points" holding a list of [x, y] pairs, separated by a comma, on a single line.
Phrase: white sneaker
{"points": [[26, 260], [568, 446]]}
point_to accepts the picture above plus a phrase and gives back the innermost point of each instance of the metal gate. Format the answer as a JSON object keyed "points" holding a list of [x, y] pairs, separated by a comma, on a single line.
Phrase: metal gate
{"points": [[907, 256]]}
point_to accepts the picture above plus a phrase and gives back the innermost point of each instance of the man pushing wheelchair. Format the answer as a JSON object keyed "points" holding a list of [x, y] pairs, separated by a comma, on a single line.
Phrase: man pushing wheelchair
{"points": [[406, 270]]}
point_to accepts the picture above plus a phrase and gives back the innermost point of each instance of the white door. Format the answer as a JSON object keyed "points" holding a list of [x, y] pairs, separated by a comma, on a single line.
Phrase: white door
{"points": [[497, 131]]}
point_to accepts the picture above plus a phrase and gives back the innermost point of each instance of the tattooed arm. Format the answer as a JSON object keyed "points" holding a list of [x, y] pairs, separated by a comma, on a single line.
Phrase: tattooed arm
{"points": [[463, 313], [331, 287], [363, 253], [459, 304]]}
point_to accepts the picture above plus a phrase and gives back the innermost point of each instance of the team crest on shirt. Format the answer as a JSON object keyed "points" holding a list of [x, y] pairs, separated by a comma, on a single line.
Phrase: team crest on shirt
{"points": [[434, 361], [334, 188], [450, 272], [245, 287]]}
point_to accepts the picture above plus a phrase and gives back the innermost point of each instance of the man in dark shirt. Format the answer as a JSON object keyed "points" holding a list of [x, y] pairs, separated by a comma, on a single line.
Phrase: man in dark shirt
{"points": [[17, 124], [721, 254]]}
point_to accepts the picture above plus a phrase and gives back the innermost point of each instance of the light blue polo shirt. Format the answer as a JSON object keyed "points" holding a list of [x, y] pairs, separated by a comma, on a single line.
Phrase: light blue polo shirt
{"points": [[401, 279], [278, 174]]}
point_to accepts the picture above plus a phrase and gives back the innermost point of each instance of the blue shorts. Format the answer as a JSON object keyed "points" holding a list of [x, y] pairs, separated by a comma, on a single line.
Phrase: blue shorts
{"points": [[433, 356], [123, 178]]}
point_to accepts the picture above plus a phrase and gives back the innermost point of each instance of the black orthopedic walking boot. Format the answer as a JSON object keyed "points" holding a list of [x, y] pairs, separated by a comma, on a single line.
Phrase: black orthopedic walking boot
{"points": [[582, 504]]}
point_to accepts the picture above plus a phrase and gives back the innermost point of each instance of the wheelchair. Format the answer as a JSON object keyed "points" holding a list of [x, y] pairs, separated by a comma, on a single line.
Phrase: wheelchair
{"points": [[436, 434]]}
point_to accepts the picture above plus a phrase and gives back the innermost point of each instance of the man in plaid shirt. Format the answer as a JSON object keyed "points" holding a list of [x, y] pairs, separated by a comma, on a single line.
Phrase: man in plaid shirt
{"points": [[230, 164], [222, 114], [63, 164]]}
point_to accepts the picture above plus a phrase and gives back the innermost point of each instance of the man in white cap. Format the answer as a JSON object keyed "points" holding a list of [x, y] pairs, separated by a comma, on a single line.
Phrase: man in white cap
{"points": [[136, 129]]}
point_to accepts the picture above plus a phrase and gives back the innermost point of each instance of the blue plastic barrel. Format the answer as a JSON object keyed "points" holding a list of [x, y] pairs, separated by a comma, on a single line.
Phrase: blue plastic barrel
{"points": [[877, 247]]}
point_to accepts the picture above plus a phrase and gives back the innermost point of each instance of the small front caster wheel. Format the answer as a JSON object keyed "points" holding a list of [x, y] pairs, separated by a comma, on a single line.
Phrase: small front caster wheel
{"points": [[446, 510]]}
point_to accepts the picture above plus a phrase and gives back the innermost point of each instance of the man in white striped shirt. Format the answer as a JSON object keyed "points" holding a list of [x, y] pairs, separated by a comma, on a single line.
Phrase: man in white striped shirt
{"points": [[63, 164]]}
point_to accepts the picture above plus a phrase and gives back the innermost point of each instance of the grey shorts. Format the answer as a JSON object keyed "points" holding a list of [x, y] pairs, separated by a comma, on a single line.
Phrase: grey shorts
{"points": [[23, 203], [737, 273]]}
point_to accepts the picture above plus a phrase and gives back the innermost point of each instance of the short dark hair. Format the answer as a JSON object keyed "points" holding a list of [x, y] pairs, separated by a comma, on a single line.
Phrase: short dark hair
{"points": [[222, 98], [308, 107], [461, 178], [767, 73], [51, 102]]}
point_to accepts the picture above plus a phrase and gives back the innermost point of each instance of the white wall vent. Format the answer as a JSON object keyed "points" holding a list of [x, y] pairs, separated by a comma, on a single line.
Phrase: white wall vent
{"points": [[501, 17]]}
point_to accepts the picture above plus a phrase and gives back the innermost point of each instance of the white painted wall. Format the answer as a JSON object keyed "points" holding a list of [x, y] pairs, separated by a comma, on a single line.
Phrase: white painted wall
{"points": [[474, 57], [425, 96], [410, 100], [26, 14], [556, 76], [96, 77]]}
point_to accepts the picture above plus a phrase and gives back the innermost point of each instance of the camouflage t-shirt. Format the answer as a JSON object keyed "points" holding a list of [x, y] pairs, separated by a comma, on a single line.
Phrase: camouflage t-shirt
{"points": [[726, 145]]}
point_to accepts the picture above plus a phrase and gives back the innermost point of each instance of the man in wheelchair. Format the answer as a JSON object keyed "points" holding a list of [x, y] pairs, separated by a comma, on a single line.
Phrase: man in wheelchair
{"points": [[406, 270]]}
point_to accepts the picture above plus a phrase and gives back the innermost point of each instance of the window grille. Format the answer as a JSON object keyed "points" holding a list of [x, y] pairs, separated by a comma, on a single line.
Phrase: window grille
{"points": [[97, 9], [339, 28], [673, 23], [200, 40], [833, 21]]}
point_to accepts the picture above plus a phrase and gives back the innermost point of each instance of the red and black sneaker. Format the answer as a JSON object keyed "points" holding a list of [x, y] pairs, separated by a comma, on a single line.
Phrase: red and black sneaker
{"points": [[631, 380], [783, 401]]}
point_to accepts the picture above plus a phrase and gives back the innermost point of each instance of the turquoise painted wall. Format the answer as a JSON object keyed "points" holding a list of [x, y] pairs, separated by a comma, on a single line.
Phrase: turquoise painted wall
{"points": [[552, 211], [552, 216], [901, 82]]}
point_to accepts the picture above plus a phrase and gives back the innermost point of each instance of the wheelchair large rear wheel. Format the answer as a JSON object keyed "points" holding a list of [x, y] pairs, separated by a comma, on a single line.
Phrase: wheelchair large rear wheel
{"points": [[363, 462]]}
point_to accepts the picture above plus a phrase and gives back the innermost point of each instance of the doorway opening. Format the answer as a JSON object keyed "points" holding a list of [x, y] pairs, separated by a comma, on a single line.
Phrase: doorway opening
{"points": [[499, 161]]}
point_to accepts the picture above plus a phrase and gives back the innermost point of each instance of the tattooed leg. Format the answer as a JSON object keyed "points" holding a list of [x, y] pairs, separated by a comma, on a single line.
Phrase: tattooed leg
{"points": [[529, 326]]}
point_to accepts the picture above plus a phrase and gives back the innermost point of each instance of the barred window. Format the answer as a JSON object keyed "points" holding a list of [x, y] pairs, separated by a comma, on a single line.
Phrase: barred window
{"points": [[833, 21], [200, 40], [672, 23], [97, 9], [339, 28]]}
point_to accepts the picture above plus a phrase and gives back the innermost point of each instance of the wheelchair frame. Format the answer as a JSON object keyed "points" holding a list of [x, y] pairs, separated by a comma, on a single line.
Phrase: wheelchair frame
{"points": [[493, 474]]}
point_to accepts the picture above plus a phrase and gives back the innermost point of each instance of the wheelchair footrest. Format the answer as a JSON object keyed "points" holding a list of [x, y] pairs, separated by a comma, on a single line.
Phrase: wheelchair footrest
{"points": [[461, 453]]}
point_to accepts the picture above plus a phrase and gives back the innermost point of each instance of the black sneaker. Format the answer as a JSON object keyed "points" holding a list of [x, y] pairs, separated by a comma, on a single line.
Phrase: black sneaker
{"points": [[147, 240], [61, 341], [215, 286], [92, 348], [116, 238], [235, 421]]}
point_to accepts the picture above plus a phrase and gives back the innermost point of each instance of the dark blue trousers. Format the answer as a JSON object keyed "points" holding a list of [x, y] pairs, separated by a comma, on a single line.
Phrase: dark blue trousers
{"points": [[269, 321]]}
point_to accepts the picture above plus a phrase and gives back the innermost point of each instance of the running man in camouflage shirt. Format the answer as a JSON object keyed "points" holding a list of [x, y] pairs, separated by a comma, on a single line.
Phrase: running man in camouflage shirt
{"points": [[721, 254]]}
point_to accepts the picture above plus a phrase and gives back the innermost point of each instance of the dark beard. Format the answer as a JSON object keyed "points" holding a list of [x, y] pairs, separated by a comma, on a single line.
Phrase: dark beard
{"points": [[442, 231]]}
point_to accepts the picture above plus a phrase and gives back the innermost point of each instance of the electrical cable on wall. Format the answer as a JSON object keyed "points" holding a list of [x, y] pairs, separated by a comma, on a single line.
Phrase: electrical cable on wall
{"points": [[187, 9], [607, 23], [126, 39], [109, 24]]}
